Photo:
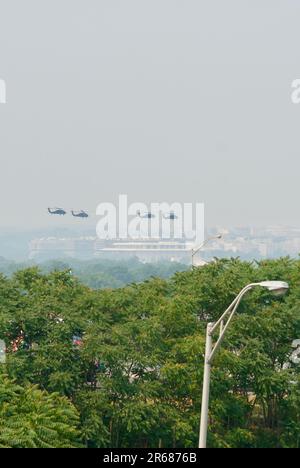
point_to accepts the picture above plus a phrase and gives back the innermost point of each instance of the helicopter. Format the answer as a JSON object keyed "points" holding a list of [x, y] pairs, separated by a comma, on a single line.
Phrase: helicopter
{"points": [[57, 211], [79, 214], [146, 215], [170, 215]]}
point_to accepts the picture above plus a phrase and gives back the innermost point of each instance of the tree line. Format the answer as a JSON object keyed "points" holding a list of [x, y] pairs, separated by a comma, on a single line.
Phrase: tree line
{"points": [[124, 367], [100, 273]]}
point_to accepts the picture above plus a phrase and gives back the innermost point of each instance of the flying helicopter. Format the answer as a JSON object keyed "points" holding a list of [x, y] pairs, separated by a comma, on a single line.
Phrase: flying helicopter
{"points": [[79, 214], [170, 215], [146, 215], [57, 211]]}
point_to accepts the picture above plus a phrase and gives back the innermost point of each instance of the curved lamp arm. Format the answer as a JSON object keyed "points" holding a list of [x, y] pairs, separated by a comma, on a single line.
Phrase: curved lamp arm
{"points": [[274, 286], [231, 312], [196, 250]]}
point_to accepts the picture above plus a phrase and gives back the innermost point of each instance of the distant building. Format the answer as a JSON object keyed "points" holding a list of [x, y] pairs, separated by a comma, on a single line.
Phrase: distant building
{"points": [[50, 248], [244, 242], [146, 250]]}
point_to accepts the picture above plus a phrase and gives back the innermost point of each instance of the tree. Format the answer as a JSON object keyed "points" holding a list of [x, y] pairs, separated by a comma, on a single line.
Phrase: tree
{"points": [[31, 418], [131, 359]]}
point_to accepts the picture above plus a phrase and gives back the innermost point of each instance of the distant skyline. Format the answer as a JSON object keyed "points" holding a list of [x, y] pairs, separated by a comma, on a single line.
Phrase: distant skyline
{"points": [[165, 100], [247, 242]]}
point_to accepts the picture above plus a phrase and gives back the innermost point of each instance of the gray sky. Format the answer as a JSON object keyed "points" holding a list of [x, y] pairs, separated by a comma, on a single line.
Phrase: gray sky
{"points": [[163, 100]]}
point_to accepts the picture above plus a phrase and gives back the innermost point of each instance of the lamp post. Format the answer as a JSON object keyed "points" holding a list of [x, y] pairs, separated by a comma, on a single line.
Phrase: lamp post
{"points": [[2, 352], [196, 250], [278, 288]]}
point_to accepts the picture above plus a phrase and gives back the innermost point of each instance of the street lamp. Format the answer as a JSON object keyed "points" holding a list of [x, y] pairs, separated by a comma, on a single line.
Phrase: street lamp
{"points": [[196, 250], [276, 287], [2, 352]]}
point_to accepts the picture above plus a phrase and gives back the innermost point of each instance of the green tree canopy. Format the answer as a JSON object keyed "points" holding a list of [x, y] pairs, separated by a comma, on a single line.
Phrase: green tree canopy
{"points": [[131, 359], [31, 418]]}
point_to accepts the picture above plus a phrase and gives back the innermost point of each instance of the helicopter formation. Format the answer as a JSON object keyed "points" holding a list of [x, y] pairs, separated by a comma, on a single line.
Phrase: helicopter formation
{"points": [[148, 215], [62, 212], [83, 214]]}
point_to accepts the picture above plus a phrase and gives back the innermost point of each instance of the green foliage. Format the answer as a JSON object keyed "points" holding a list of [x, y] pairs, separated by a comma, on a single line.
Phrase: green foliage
{"points": [[31, 418], [131, 359], [102, 273]]}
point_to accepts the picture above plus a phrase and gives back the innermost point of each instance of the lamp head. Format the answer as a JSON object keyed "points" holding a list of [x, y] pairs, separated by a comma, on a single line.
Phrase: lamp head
{"points": [[278, 288]]}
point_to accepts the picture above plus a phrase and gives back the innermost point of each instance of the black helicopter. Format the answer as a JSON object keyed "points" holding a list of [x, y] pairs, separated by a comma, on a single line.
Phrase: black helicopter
{"points": [[146, 215], [79, 214], [57, 211], [170, 215]]}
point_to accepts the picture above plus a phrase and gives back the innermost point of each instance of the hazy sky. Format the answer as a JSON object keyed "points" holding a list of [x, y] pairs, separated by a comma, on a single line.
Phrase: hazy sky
{"points": [[163, 100]]}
